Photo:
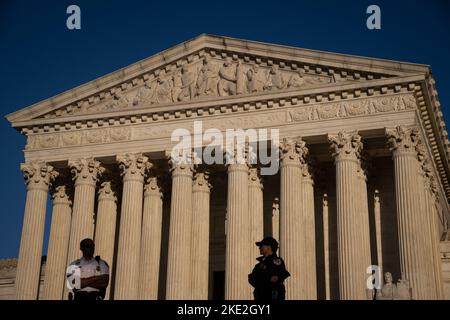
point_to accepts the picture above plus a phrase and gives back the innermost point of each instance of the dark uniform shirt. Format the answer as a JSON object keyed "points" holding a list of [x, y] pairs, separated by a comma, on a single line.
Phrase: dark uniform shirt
{"points": [[260, 278]]}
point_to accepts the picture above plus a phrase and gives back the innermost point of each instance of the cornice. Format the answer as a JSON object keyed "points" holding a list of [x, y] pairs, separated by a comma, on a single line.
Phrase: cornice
{"points": [[218, 105]]}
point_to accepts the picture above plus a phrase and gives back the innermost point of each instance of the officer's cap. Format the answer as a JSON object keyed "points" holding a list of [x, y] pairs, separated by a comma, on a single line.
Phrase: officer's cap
{"points": [[268, 241]]}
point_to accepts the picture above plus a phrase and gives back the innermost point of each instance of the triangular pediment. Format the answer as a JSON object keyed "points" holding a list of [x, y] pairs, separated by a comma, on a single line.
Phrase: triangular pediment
{"points": [[213, 68]]}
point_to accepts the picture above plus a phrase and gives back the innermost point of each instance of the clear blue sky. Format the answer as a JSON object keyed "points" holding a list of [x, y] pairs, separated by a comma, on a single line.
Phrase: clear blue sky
{"points": [[40, 57]]}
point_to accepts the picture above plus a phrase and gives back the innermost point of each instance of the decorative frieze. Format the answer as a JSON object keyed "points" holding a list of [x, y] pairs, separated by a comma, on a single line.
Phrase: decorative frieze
{"points": [[299, 113]]}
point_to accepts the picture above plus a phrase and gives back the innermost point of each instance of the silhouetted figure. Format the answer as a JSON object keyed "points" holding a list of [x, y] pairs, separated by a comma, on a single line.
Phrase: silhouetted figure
{"points": [[269, 274]]}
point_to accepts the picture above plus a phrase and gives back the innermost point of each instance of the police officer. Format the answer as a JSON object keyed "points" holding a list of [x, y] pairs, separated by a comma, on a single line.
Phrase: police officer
{"points": [[269, 273], [93, 274]]}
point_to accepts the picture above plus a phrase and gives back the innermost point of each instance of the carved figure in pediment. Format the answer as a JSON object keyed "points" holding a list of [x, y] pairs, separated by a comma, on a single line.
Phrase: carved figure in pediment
{"points": [[144, 94], [240, 79], [163, 90], [208, 79], [227, 82], [187, 84], [275, 80], [296, 81], [120, 100], [256, 79], [177, 84]]}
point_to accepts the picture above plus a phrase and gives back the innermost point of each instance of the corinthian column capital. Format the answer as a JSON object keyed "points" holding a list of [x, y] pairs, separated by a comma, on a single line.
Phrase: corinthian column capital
{"points": [[429, 178], [403, 140], [201, 182], [254, 178], [240, 153], [86, 170], [62, 195], [38, 175], [181, 163], [133, 166], [153, 187], [345, 146], [293, 151], [107, 191]]}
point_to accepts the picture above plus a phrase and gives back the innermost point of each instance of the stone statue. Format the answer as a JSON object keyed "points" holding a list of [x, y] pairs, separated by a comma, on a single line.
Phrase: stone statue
{"points": [[208, 79], [227, 82], [275, 80], [240, 79], [163, 91], [392, 291], [144, 94], [119, 100], [404, 290], [296, 80], [187, 84], [256, 79], [177, 84], [389, 289]]}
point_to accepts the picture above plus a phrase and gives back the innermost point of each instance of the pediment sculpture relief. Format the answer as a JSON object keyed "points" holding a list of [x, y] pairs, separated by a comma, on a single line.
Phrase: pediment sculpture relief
{"points": [[207, 77]]}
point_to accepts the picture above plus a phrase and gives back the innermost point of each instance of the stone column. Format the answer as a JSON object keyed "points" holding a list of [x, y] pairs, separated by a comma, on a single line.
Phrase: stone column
{"points": [[352, 221], [326, 246], [179, 268], [38, 177], [238, 244], [276, 218], [200, 235], [58, 245], [377, 213], [151, 240], [292, 226], [134, 167], [307, 202], [256, 211], [363, 219], [416, 258], [431, 197], [85, 172], [105, 230]]}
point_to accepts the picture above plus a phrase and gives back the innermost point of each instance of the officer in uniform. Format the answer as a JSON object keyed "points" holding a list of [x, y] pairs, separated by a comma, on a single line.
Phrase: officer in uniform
{"points": [[269, 273], [93, 274]]}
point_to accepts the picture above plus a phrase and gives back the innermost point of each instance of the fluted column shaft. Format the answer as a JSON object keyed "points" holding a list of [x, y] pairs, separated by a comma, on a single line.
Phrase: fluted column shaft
{"points": [[105, 230], [276, 218], [256, 211], [326, 246], [292, 228], [58, 245], [377, 213], [238, 245], [352, 219], [134, 168], [85, 173], [307, 200], [200, 236], [151, 240], [38, 176], [430, 198], [434, 239], [179, 268], [416, 258]]}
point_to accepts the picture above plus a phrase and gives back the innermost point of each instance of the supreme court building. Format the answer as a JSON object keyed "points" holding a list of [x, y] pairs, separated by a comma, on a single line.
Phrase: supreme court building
{"points": [[363, 175]]}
